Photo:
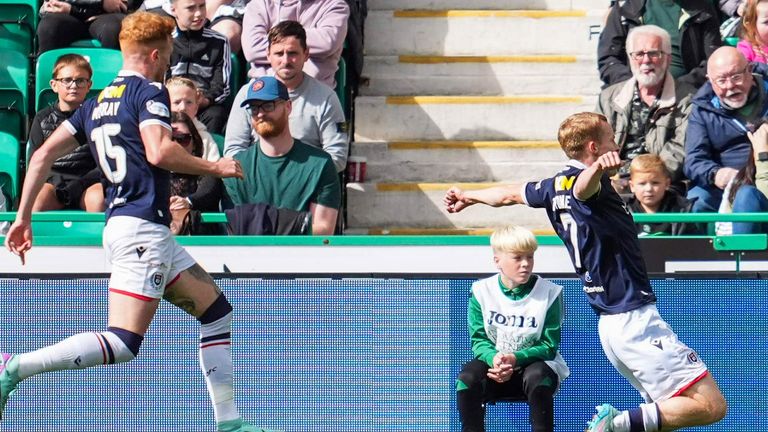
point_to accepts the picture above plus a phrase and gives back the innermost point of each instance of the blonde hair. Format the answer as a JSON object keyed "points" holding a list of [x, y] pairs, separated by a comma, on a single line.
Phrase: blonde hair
{"points": [[143, 31], [577, 130], [71, 60], [648, 163], [513, 238], [181, 82]]}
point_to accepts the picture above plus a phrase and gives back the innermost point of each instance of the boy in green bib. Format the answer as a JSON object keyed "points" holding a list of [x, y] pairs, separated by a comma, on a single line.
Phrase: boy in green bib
{"points": [[514, 320]]}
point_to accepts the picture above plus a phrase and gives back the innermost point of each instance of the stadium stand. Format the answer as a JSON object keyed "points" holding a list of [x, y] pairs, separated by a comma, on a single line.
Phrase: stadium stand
{"points": [[13, 93], [18, 23], [9, 168]]}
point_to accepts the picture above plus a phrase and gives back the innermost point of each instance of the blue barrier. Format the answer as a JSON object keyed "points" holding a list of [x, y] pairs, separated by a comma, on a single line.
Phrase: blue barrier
{"points": [[354, 355]]}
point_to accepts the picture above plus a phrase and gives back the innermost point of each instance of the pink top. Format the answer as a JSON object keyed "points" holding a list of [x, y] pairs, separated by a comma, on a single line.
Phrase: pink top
{"points": [[749, 52]]}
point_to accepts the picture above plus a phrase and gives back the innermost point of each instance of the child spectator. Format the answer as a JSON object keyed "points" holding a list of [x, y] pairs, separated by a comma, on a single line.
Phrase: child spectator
{"points": [[514, 320], [650, 182], [184, 97], [75, 179], [202, 55], [754, 32]]}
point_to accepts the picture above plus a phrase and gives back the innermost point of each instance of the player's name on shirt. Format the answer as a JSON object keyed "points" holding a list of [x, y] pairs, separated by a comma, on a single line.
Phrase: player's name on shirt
{"points": [[108, 108]]}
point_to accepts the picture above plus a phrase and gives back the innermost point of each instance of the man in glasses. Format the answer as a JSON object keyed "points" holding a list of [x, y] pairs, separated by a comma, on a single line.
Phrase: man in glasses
{"points": [[282, 171], [646, 114], [692, 24], [724, 110]]}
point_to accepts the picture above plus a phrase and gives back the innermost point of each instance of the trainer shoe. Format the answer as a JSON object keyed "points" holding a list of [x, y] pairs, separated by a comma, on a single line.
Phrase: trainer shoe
{"points": [[239, 425], [9, 378], [603, 420]]}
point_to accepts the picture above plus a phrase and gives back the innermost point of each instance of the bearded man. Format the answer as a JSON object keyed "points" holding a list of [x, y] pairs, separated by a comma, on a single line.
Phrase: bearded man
{"points": [[730, 104], [282, 171], [647, 112]]}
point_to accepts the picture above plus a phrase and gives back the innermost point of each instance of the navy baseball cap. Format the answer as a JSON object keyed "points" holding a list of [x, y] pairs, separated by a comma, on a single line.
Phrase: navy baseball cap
{"points": [[266, 88]]}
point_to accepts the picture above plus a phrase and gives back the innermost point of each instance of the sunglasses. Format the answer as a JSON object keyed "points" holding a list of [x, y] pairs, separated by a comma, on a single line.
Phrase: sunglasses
{"points": [[183, 139]]}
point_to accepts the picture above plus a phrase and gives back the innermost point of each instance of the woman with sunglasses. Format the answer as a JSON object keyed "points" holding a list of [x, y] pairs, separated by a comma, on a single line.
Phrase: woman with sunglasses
{"points": [[201, 193]]}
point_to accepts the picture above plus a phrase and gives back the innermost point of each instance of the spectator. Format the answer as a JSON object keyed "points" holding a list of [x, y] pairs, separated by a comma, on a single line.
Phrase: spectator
{"points": [[184, 98], [201, 193], [316, 119], [646, 114], [74, 182], [650, 181], [203, 56], [188, 191], [754, 32], [282, 171], [227, 18], [692, 24], [325, 22], [63, 22], [716, 143], [512, 358], [746, 193]]}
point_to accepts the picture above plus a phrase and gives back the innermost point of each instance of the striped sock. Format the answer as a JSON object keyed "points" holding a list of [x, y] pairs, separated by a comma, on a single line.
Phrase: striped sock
{"points": [[216, 360], [78, 351]]}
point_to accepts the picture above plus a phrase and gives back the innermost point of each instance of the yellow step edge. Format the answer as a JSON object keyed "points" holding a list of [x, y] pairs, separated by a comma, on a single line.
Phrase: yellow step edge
{"points": [[479, 100], [415, 59], [455, 13], [444, 231], [427, 145], [429, 187]]}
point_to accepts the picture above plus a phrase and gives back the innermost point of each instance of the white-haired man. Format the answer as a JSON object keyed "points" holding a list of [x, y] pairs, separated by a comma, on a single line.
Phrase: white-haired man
{"points": [[647, 112]]}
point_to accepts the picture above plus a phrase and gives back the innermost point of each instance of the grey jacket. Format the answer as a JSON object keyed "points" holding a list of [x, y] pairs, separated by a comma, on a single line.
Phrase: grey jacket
{"points": [[665, 133]]}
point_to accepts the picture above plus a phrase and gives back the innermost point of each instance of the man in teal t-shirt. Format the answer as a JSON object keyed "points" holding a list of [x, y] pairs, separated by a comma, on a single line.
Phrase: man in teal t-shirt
{"points": [[280, 170]]}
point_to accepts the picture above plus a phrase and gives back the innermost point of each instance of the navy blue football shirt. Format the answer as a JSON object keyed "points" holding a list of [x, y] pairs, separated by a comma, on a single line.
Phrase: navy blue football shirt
{"points": [[600, 236], [111, 123]]}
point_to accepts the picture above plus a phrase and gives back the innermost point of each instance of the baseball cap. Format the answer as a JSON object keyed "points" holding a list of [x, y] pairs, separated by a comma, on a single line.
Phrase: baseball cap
{"points": [[266, 88]]}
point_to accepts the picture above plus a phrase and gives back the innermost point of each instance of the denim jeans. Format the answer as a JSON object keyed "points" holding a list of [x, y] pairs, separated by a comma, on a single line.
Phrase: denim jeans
{"points": [[749, 200]]}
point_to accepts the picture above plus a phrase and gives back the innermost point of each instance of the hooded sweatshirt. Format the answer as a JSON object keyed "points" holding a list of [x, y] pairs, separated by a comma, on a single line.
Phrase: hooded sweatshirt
{"points": [[325, 22]]}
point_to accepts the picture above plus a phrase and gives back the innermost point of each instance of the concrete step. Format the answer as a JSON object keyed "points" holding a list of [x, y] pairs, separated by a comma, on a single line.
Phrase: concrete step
{"points": [[459, 161], [419, 205], [481, 75], [486, 4], [394, 118], [488, 32]]}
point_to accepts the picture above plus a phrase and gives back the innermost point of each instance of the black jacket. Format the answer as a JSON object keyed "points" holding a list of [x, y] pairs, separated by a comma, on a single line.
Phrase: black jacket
{"points": [[700, 36], [204, 57], [79, 161], [672, 202]]}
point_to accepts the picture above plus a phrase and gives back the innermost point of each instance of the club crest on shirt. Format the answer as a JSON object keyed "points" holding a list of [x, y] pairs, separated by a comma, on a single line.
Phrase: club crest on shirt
{"points": [[157, 280], [158, 109]]}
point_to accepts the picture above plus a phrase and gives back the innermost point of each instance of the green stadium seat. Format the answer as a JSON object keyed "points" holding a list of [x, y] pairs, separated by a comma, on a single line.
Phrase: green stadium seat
{"points": [[219, 142], [87, 43], [108, 62], [341, 84], [13, 93], [9, 167], [18, 25]]}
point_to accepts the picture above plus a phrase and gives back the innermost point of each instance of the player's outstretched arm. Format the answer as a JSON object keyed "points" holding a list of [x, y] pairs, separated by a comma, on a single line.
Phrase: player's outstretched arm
{"points": [[19, 237], [588, 182], [164, 153], [456, 199]]}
